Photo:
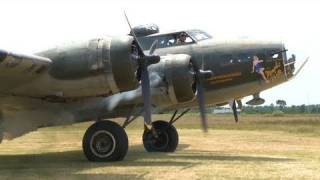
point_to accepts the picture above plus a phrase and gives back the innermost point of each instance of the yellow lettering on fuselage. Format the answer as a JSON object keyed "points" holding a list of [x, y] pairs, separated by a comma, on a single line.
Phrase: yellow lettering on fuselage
{"points": [[223, 78]]}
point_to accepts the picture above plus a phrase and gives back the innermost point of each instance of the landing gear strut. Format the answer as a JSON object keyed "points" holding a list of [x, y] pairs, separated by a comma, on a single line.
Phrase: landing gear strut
{"points": [[105, 141]]}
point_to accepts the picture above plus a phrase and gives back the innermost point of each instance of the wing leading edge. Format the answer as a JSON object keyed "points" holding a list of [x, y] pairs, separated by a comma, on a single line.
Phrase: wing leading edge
{"points": [[17, 69]]}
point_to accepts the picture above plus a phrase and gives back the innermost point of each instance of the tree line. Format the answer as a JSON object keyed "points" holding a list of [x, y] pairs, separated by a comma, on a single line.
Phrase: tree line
{"points": [[282, 108]]}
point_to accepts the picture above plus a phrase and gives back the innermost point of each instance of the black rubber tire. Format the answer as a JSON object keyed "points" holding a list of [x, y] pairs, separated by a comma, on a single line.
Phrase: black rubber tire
{"points": [[108, 135], [167, 141]]}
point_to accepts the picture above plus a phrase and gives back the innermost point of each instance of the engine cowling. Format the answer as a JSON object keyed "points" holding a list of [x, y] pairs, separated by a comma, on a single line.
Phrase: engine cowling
{"points": [[179, 74], [110, 58]]}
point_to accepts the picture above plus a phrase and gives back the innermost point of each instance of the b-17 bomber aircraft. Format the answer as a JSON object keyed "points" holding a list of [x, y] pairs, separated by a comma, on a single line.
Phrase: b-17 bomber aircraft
{"points": [[137, 74]]}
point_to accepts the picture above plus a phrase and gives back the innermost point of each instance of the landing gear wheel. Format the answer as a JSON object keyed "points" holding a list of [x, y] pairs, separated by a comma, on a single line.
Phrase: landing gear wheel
{"points": [[105, 141], [167, 138]]}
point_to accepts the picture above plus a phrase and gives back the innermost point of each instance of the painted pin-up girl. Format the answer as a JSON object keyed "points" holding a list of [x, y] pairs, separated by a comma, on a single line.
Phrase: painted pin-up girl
{"points": [[258, 68]]}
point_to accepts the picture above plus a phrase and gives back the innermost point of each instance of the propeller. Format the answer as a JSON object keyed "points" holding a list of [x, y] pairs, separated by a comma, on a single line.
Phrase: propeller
{"points": [[233, 105], [143, 62], [239, 102], [200, 76], [153, 47]]}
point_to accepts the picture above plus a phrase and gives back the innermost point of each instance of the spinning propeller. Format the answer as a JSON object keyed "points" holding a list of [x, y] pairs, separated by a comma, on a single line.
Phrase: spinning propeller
{"points": [[200, 77], [233, 105], [143, 62]]}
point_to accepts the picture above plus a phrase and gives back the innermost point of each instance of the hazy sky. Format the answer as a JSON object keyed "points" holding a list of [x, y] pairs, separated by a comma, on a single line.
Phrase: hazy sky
{"points": [[31, 26]]}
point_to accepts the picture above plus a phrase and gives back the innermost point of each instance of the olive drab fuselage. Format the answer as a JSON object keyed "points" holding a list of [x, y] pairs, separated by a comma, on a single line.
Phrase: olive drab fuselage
{"points": [[231, 64], [97, 79]]}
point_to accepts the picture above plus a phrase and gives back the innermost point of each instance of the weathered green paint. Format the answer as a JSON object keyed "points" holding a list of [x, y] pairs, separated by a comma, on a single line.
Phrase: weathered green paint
{"points": [[180, 77], [96, 57], [227, 58], [83, 80], [93, 68], [123, 66]]}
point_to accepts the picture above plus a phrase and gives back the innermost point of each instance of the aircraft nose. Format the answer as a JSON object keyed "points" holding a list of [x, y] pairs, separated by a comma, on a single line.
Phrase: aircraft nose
{"points": [[3, 55]]}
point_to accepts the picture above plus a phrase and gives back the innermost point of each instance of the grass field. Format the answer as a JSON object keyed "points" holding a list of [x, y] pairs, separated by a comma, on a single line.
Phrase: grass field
{"points": [[259, 147]]}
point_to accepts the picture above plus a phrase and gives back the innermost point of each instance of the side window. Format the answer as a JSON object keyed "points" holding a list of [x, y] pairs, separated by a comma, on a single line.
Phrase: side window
{"points": [[171, 40], [182, 38], [146, 42], [167, 40], [162, 41], [189, 40]]}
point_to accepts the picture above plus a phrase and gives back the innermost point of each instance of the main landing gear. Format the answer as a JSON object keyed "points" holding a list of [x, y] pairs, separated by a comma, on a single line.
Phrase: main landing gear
{"points": [[106, 141], [163, 137]]}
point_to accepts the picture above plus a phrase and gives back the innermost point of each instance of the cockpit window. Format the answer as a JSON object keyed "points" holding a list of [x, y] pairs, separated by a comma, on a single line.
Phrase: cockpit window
{"points": [[183, 38], [166, 40], [199, 35]]}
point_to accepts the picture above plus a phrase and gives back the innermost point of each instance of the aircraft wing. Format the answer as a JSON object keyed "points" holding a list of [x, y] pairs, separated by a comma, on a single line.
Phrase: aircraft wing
{"points": [[17, 69]]}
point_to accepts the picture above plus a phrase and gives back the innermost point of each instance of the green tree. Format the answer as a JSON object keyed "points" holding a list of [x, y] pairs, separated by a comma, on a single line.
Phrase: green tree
{"points": [[271, 107], [302, 108], [281, 104]]}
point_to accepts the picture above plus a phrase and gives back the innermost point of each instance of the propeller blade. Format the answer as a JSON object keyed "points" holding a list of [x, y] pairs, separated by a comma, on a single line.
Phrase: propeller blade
{"points": [[234, 110], [201, 102], [200, 76], [145, 85], [139, 47], [153, 47], [239, 102], [143, 74], [150, 59]]}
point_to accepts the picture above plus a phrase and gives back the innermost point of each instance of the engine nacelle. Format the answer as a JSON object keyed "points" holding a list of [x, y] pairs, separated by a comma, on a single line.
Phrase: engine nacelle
{"points": [[179, 74], [107, 58]]}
